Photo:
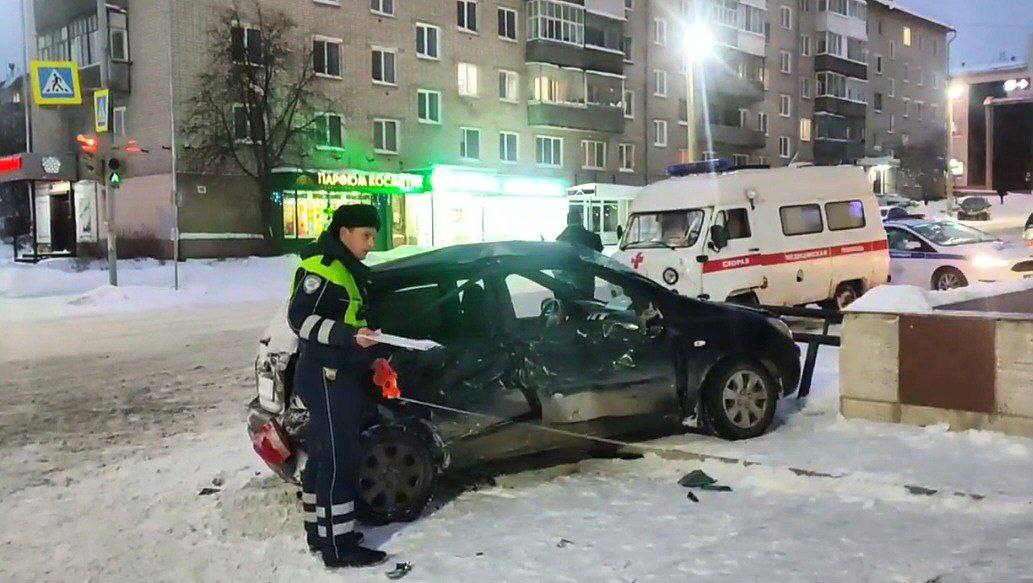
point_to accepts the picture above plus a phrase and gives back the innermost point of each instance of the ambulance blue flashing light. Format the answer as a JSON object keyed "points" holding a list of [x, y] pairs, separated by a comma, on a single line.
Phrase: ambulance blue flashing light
{"points": [[704, 167]]}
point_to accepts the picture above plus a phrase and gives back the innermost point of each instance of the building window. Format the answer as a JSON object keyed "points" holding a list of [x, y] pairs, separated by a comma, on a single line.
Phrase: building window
{"points": [[626, 153], [893, 123], [243, 130], [752, 19], [762, 160], [785, 62], [659, 83], [627, 46], [467, 78], [246, 44], [659, 31], [893, 87], [507, 24], [326, 57], [725, 12], [466, 15], [907, 107], [595, 155], [118, 120], [508, 84], [787, 18], [555, 21], [118, 36], [842, 87], [328, 131], [629, 104], [428, 106], [878, 65], [906, 77], [785, 105], [805, 45], [744, 117], [383, 66], [427, 41], [805, 87], [805, 129], [762, 122], [783, 147], [385, 136], [509, 145], [470, 143], [385, 7], [907, 36], [920, 76], [548, 151], [740, 159], [918, 110], [660, 133], [893, 50], [877, 102]]}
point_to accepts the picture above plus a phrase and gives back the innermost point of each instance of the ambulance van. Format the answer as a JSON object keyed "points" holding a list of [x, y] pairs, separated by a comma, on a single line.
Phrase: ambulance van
{"points": [[775, 236]]}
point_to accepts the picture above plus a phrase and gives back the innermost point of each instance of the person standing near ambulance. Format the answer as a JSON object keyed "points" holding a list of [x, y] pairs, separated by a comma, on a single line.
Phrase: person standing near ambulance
{"points": [[328, 313]]}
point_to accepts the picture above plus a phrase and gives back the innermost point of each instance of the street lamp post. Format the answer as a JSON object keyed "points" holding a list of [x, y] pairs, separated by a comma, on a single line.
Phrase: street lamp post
{"points": [[955, 91], [698, 43]]}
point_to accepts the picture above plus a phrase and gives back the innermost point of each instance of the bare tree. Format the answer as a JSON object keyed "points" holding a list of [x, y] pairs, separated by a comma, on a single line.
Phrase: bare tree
{"points": [[255, 104]]}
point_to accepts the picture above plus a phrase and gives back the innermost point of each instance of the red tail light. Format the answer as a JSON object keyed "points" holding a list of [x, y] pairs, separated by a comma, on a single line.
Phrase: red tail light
{"points": [[271, 444]]}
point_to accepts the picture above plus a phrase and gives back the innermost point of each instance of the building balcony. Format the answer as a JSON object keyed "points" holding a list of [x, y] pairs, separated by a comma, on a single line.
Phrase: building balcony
{"points": [[841, 107], [828, 152], [737, 136], [592, 117], [733, 89], [840, 65], [586, 58]]}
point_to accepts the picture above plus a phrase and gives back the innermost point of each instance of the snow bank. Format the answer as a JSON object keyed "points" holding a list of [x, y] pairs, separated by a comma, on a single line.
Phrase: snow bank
{"points": [[908, 299]]}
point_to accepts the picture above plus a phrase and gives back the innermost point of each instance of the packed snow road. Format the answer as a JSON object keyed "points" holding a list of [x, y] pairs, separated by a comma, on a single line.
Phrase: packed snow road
{"points": [[112, 427]]}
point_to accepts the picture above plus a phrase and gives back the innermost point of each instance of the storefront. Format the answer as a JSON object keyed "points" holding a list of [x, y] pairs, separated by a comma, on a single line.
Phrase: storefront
{"points": [[883, 174], [436, 207], [602, 207], [61, 214]]}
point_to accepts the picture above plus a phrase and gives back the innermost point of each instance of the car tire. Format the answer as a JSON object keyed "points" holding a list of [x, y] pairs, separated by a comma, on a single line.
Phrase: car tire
{"points": [[396, 475], [947, 278], [846, 293], [739, 400]]}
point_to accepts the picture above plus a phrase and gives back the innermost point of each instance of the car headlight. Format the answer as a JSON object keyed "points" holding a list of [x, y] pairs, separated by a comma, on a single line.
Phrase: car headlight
{"points": [[781, 327], [988, 262]]}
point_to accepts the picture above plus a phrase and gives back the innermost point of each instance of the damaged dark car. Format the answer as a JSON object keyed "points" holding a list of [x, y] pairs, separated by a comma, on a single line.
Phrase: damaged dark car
{"points": [[532, 334]]}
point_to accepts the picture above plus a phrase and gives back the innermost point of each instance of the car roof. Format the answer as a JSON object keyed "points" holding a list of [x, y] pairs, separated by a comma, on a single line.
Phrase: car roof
{"points": [[909, 222], [473, 253]]}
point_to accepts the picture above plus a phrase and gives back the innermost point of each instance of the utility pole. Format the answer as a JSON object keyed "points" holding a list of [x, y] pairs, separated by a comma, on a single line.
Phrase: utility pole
{"points": [[104, 140], [690, 110]]}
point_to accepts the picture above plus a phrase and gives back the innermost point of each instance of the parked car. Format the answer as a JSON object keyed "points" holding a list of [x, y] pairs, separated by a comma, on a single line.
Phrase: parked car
{"points": [[887, 200], [974, 208], [534, 334], [946, 254], [774, 236], [890, 213]]}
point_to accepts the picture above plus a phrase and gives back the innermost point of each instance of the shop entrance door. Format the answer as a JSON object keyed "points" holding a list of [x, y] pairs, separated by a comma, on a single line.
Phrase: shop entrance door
{"points": [[62, 224]]}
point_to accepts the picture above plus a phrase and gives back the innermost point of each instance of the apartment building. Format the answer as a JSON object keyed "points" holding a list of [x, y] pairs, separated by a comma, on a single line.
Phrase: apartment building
{"points": [[463, 120]]}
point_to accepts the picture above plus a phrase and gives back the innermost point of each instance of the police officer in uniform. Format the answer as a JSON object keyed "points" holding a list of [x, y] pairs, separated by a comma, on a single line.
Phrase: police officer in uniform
{"points": [[327, 312]]}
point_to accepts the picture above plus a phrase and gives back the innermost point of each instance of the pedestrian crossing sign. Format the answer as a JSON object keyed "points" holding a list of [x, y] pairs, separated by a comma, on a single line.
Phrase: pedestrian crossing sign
{"points": [[56, 83], [100, 110]]}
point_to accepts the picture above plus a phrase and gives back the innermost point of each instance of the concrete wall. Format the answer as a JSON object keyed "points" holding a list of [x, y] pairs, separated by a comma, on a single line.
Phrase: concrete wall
{"points": [[873, 387]]}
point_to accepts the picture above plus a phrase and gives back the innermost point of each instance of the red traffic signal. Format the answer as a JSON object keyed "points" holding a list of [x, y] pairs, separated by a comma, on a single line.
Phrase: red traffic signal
{"points": [[86, 144], [132, 148]]}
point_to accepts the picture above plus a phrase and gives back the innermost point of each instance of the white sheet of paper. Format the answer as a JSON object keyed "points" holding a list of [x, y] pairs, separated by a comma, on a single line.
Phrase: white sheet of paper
{"points": [[401, 341]]}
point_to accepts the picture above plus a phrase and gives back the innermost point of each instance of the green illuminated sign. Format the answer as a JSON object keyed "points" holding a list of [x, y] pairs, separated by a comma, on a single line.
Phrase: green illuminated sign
{"points": [[363, 179]]}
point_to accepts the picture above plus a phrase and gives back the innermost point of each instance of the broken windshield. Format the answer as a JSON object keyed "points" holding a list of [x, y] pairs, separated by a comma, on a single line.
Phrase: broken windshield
{"points": [[671, 229]]}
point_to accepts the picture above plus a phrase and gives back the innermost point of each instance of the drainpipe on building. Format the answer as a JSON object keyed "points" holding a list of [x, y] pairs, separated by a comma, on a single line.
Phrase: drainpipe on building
{"points": [[950, 129], [27, 109], [174, 153], [645, 90]]}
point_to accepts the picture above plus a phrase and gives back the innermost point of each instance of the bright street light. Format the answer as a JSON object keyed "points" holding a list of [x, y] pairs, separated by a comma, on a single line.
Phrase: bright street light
{"points": [[699, 42], [956, 90]]}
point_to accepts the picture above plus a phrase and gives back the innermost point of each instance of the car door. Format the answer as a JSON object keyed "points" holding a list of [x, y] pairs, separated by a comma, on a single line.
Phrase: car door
{"points": [[597, 358], [912, 260], [735, 268]]}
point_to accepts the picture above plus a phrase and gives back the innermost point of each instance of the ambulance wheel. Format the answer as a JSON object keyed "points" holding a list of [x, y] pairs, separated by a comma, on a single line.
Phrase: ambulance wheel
{"points": [[947, 278], [845, 295], [739, 400], [396, 475]]}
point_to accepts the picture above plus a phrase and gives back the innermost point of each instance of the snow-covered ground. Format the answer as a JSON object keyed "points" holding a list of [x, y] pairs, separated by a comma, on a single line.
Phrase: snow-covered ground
{"points": [[1006, 221], [114, 416]]}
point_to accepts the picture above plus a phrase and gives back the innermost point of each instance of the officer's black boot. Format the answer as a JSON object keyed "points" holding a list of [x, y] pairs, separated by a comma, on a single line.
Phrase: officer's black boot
{"points": [[350, 554]]}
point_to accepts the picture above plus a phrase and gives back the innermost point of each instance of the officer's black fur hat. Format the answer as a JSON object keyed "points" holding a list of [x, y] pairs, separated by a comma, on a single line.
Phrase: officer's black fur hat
{"points": [[354, 215]]}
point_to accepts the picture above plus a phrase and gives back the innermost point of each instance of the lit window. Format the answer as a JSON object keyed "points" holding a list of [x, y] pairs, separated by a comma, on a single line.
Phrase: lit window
{"points": [[467, 78], [805, 129], [907, 36]]}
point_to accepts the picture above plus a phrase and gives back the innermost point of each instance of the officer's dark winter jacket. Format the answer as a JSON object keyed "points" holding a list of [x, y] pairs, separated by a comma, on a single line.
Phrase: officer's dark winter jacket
{"points": [[579, 235]]}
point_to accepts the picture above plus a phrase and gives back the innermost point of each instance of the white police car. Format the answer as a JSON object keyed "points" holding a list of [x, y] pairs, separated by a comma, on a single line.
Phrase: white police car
{"points": [[946, 254]]}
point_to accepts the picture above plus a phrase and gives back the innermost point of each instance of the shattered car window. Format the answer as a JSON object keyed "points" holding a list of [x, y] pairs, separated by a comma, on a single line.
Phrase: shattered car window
{"points": [[527, 295]]}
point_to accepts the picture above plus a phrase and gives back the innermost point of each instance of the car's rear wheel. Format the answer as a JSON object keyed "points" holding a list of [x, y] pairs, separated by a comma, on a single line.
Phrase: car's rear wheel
{"points": [[396, 475], [947, 278], [739, 400]]}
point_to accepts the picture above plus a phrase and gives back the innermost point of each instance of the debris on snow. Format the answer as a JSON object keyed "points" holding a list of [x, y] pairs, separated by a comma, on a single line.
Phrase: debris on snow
{"points": [[400, 570], [692, 496], [208, 491], [696, 479], [564, 543]]}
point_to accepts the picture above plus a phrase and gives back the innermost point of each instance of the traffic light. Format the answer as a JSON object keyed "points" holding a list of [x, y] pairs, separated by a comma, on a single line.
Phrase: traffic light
{"points": [[88, 153], [114, 177]]}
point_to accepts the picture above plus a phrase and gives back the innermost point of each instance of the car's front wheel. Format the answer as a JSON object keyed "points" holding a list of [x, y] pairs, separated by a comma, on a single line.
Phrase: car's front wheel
{"points": [[396, 475], [739, 400], [947, 278]]}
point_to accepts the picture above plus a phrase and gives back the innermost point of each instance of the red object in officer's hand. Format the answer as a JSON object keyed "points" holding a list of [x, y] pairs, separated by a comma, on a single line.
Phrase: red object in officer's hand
{"points": [[385, 377]]}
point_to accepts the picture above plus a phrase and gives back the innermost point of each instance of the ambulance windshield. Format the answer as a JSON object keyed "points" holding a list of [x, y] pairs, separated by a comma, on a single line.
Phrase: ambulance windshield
{"points": [[670, 229]]}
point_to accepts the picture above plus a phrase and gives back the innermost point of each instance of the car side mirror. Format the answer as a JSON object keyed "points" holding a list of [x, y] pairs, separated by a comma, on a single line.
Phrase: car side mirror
{"points": [[719, 237]]}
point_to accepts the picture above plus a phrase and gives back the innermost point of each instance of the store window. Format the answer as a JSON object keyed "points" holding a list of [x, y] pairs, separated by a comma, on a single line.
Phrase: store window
{"points": [[306, 214]]}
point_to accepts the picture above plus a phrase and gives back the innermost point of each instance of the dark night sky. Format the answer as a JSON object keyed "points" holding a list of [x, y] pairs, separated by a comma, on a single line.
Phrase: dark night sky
{"points": [[986, 28]]}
